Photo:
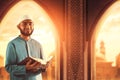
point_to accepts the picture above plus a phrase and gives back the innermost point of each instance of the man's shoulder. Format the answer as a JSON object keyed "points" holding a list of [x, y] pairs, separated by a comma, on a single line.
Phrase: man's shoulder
{"points": [[35, 41], [14, 40]]}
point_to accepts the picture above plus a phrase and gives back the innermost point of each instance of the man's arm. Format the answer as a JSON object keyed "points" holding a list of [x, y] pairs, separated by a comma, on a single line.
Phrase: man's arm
{"points": [[11, 62], [12, 67]]}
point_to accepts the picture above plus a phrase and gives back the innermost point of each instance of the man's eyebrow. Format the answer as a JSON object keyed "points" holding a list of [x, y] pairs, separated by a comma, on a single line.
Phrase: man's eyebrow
{"points": [[28, 21]]}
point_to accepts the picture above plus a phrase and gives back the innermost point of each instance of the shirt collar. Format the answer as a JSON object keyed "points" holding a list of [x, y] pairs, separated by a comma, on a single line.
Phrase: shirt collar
{"points": [[23, 39]]}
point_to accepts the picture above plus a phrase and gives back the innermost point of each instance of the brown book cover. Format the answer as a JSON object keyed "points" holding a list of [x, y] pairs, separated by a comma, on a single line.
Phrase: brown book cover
{"points": [[23, 62]]}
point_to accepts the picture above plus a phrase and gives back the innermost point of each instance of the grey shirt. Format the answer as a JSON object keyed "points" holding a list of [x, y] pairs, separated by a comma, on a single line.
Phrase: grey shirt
{"points": [[17, 50]]}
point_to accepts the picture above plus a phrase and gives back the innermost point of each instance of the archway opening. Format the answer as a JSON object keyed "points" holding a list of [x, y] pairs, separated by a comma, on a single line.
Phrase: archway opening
{"points": [[105, 46], [44, 30]]}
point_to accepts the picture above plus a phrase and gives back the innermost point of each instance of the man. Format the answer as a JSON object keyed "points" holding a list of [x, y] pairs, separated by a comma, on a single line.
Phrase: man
{"points": [[21, 47]]}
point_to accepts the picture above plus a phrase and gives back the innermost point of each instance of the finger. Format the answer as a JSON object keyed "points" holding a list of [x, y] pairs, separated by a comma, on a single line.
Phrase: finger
{"points": [[43, 66], [34, 64], [48, 63], [29, 62]]}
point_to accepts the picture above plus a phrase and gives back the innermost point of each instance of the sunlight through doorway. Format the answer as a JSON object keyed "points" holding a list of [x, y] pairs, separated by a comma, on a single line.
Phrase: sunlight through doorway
{"points": [[44, 30], [105, 45]]}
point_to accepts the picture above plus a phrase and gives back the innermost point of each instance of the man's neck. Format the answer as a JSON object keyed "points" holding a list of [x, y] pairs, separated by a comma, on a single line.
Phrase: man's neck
{"points": [[25, 37]]}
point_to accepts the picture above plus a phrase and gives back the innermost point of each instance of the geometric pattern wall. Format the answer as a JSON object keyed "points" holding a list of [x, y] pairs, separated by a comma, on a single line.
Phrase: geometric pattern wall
{"points": [[75, 40]]}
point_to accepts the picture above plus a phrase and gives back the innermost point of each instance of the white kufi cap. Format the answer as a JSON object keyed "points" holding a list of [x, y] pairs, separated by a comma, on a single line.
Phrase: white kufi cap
{"points": [[24, 18]]}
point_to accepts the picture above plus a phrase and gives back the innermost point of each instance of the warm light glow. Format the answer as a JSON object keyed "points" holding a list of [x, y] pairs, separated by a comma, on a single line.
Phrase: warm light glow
{"points": [[109, 31], [44, 29]]}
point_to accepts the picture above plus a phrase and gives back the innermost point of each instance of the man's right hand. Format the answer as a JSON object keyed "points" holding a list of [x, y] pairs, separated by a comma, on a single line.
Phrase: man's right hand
{"points": [[34, 67]]}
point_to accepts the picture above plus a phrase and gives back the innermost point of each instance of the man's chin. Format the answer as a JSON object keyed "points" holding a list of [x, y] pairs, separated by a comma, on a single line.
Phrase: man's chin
{"points": [[26, 34]]}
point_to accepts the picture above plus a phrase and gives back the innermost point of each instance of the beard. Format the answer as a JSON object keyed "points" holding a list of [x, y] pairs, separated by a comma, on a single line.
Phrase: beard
{"points": [[26, 33]]}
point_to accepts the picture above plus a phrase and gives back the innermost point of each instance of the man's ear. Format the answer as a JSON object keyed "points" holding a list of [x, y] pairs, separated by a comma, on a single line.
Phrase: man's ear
{"points": [[18, 26]]}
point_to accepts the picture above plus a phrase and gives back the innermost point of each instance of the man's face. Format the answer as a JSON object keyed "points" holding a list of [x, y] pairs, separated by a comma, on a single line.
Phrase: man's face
{"points": [[26, 27]]}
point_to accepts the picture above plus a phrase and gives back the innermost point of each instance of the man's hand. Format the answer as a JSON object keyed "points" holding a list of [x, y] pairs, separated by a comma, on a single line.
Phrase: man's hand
{"points": [[34, 67]]}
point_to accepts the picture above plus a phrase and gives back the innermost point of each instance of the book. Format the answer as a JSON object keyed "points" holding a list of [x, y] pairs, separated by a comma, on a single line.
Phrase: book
{"points": [[41, 61]]}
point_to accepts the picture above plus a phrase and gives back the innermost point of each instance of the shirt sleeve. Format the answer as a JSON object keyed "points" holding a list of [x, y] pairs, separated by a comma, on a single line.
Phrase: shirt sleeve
{"points": [[11, 62]]}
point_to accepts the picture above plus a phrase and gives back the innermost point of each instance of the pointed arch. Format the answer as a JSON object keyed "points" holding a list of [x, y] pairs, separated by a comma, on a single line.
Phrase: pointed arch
{"points": [[106, 30], [45, 31]]}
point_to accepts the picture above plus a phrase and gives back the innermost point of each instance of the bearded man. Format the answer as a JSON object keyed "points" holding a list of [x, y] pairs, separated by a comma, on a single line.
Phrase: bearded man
{"points": [[21, 47]]}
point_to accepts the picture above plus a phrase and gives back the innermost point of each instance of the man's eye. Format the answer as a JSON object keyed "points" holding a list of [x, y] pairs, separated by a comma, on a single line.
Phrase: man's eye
{"points": [[30, 23], [24, 24]]}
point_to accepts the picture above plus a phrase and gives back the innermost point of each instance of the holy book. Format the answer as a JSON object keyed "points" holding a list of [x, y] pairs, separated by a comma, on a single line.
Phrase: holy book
{"points": [[41, 61]]}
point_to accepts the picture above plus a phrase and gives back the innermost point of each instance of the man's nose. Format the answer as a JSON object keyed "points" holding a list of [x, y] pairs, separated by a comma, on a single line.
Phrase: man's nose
{"points": [[28, 25]]}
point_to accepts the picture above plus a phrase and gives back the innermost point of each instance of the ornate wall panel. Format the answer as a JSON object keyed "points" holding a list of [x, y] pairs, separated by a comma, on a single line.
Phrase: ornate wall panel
{"points": [[75, 56]]}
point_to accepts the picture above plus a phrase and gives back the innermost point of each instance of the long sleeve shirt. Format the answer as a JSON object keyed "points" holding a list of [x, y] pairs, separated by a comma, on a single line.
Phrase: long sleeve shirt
{"points": [[17, 50]]}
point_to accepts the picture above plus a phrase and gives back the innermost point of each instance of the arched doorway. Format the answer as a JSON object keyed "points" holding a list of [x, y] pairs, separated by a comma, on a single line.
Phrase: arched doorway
{"points": [[105, 47], [44, 32]]}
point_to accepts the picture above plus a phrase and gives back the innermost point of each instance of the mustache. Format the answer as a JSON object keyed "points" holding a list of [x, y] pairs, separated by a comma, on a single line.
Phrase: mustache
{"points": [[26, 34]]}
